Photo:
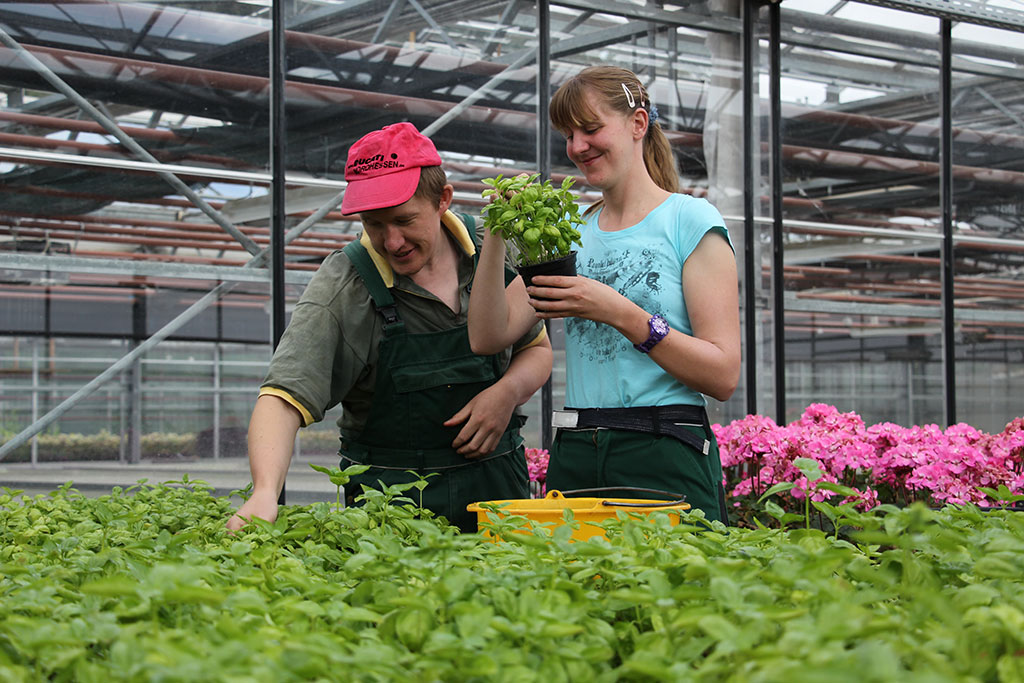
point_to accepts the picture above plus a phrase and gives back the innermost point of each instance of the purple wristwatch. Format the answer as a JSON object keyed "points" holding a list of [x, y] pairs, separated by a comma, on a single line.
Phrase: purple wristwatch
{"points": [[659, 330]]}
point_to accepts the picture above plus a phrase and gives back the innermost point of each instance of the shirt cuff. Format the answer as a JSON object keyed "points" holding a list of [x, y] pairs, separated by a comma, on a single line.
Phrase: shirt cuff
{"points": [[307, 417]]}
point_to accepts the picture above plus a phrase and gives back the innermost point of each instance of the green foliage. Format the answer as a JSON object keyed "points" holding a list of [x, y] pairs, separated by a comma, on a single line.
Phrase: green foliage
{"points": [[102, 446], [146, 584], [538, 219]]}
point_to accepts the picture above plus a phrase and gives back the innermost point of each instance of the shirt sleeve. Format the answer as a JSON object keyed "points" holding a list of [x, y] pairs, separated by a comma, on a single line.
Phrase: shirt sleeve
{"points": [[316, 364], [703, 217]]}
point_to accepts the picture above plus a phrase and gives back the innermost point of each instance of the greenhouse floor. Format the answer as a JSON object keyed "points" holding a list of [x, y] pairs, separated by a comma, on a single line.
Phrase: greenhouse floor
{"points": [[94, 478]]}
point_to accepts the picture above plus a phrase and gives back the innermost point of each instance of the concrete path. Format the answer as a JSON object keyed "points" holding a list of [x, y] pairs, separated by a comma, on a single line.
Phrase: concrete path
{"points": [[304, 485]]}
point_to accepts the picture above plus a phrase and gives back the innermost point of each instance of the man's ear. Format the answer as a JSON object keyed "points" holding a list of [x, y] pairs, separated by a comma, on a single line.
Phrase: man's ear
{"points": [[447, 194]]}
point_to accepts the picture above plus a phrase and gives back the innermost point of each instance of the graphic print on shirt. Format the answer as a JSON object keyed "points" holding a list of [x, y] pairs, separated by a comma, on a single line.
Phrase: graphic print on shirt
{"points": [[636, 278]]}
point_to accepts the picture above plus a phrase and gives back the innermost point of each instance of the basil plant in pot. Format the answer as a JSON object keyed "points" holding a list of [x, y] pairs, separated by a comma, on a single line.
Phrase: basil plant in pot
{"points": [[538, 220]]}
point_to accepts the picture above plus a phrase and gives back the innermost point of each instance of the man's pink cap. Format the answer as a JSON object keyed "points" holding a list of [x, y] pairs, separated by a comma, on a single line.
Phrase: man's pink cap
{"points": [[383, 168]]}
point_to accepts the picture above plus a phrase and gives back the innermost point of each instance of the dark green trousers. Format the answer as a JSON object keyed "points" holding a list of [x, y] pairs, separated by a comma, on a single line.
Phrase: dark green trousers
{"points": [[448, 493], [595, 458]]}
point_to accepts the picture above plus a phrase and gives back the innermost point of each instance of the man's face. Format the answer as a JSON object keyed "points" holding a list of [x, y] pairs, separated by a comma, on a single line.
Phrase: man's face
{"points": [[407, 235]]}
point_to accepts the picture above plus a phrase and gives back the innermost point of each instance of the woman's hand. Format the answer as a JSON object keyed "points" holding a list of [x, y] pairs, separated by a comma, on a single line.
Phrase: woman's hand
{"points": [[561, 296]]}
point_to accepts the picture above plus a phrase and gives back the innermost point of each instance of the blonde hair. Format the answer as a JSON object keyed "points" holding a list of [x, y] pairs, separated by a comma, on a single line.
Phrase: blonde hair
{"points": [[622, 92]]}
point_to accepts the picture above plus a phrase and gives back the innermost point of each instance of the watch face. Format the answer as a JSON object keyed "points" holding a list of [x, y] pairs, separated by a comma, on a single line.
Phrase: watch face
{"points": [[659, 325]]}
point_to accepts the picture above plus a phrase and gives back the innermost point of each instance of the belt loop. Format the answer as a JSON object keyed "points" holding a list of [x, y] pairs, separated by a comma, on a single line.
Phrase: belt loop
{"points": [[656, 419]]}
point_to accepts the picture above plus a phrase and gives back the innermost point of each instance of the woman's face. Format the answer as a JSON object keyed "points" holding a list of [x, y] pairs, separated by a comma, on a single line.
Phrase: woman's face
{"points": [[606, 149]]}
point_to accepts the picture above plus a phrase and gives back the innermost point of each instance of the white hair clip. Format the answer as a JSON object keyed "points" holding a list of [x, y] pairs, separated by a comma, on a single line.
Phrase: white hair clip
{"points": [[629, 96]]}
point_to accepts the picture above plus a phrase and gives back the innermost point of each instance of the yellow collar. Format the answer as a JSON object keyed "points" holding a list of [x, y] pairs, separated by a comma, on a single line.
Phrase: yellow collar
{"points": [[449, 220]]}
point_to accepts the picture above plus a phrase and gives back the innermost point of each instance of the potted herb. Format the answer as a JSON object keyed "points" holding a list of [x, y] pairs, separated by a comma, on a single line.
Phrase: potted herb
{"points": [[539, 220]]}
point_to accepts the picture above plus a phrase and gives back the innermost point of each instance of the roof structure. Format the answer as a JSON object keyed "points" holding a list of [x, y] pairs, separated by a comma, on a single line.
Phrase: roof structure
{"points": [[188, 83]]}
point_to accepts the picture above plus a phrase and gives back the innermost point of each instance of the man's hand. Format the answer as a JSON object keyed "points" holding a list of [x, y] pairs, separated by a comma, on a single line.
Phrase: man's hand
{"points": [[485, 418], [262, 504]]}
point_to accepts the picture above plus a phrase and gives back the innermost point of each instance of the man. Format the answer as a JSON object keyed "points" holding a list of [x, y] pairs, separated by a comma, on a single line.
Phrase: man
{"points": [[381, 329]]}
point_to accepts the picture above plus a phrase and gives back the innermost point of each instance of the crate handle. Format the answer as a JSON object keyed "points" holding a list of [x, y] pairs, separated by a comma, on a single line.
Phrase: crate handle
{"points": [[677, 498]]}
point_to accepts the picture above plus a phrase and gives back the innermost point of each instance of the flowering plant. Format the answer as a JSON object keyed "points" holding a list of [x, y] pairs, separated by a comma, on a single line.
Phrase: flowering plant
{"points": [[537, 466], [881, 463], [831, 458]]}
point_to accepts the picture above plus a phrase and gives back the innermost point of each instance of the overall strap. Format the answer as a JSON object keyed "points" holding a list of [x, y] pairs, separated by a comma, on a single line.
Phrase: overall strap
{"points": [[379, 292]]}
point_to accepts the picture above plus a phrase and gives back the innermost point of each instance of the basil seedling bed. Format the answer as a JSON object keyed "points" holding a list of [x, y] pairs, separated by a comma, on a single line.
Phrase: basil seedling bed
{"points": [[146, 584]]}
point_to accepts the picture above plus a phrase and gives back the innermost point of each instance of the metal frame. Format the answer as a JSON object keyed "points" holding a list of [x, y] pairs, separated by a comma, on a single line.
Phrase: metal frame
{"points": [[946, 201], [778, 240]]}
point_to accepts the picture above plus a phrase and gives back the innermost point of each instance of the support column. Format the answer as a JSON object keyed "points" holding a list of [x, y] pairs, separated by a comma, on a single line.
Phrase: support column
{"points": [[216, 400], [278, 151], [946, 200], [35, 398], [544, 165], [724, 134], [778, 284], [134, 436], [750, 254]]}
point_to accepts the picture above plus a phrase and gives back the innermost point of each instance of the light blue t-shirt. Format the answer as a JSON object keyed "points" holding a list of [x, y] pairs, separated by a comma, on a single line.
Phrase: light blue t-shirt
{"points": [[644, 263]]}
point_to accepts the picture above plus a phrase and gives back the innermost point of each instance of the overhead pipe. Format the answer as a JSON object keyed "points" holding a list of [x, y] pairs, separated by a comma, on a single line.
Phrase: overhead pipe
{"points": [[81, 126], [333, 216], [125, 236], [41, 142], [197, 230], [97, 196], [178, 258], [889, 126]]}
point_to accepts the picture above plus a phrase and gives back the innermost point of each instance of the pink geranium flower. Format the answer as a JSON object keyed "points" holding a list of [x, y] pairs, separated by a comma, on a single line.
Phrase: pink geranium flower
{"points": [[921, 462]]}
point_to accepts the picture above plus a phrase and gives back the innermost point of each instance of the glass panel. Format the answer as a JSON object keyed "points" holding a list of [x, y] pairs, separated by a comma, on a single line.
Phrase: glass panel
{"points": [[694, 79], [189, 392], [988, 205], [861, 203], [465, 75], [189, 85], [94, 242]]}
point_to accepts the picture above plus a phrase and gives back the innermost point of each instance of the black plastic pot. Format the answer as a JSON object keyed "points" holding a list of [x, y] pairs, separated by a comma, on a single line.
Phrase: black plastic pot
{"points": [[560, 266]]}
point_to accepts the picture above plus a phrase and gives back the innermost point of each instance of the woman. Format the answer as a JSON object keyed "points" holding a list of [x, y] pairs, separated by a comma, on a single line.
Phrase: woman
{"points": [[652, 318]]}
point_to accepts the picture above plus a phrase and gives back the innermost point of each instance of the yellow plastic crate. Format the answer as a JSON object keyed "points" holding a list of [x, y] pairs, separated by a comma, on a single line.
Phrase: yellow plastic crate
{"points": [[587, 511]]}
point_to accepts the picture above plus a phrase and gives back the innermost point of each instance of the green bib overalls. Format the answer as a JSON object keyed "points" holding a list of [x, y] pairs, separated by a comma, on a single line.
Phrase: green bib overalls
{"points": [[422, 380]]}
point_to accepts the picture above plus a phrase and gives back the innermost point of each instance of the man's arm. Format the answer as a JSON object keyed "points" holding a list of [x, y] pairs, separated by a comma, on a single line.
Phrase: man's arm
{"points": [[272, 430]]}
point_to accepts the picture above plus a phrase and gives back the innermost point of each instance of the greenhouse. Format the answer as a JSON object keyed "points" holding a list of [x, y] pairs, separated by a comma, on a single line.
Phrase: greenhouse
{"points": [[171, 178]]}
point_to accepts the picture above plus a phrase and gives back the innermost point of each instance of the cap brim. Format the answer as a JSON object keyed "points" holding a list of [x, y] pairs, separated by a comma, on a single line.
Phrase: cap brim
{"points": [[381, 192]]}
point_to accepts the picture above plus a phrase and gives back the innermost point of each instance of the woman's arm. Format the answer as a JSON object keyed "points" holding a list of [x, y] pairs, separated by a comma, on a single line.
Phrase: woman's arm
{"points": [[707, 361], [498, 315]]}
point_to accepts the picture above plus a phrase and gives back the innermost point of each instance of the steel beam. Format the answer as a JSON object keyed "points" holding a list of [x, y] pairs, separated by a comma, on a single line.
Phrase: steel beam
{"points": [[778, 251], [960, 10], [946, 202], [75, 264]]}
